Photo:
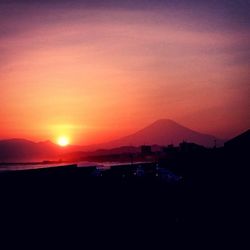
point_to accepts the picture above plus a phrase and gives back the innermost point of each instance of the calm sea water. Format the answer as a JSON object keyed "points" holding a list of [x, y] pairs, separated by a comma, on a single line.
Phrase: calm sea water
{"points": [[103, 165], [14, 167]]}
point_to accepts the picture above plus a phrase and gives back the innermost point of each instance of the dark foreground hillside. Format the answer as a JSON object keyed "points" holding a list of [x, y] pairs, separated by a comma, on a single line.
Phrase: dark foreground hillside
{"points": [[203, 204]]}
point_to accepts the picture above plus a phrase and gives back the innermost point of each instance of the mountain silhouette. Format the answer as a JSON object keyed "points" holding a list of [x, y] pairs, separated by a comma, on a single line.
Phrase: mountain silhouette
{"points": [[164, 132], [240, 143], [161, 132]]}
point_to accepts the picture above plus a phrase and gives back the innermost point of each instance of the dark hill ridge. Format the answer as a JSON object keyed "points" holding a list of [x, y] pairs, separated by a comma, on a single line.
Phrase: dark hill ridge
{"points": [[21, 149], [164, 132], [24, 150]]}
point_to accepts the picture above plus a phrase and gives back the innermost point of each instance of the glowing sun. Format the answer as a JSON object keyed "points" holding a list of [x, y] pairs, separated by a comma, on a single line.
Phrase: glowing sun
{"points": [[63, 141]]}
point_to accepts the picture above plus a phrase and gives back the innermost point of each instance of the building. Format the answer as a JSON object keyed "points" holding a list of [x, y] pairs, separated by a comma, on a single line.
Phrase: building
{"points": [[187, 147], [146, 150]]}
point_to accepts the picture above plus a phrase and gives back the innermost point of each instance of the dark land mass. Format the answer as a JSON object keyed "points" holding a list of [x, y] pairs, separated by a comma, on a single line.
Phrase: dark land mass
{"points": [[191, 197]]}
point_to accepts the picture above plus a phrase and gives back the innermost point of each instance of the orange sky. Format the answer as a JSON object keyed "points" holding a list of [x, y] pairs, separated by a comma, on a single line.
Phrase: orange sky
{"points": [[97, 74]]}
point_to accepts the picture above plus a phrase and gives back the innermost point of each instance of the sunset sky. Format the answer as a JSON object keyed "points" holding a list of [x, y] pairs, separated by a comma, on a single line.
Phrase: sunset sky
{"points": [[98, 70]]}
